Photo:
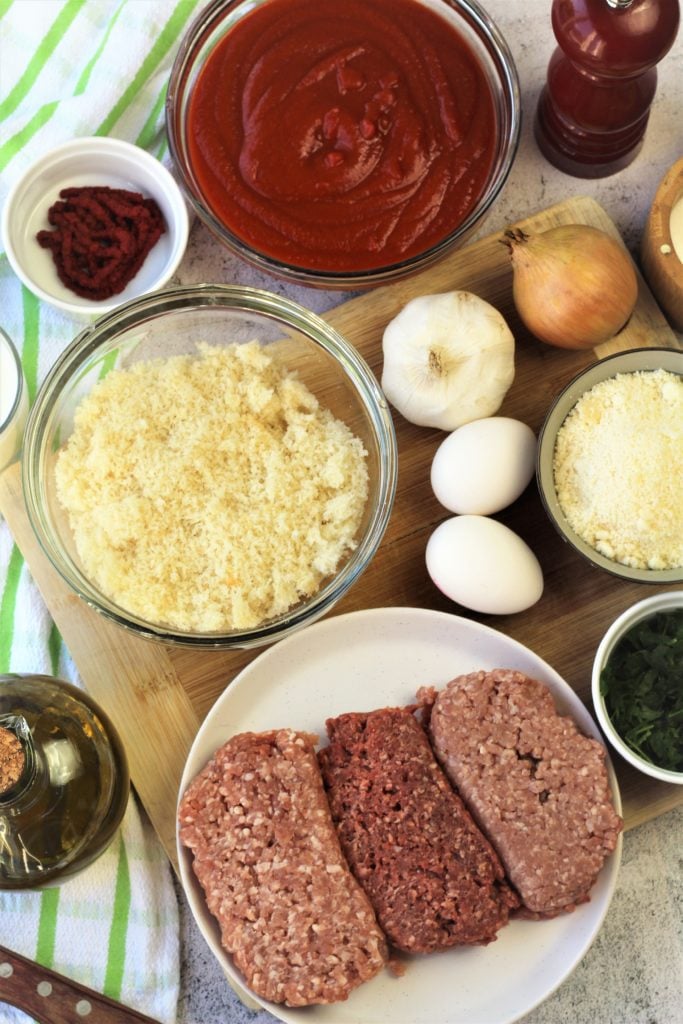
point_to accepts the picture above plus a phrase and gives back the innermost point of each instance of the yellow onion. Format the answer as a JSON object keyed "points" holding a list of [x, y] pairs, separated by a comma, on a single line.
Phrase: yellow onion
{"points": [[574, 286]]}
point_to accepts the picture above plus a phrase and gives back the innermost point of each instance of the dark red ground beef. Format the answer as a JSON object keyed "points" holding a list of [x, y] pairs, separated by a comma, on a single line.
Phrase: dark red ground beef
{"points": [[432, 878]]}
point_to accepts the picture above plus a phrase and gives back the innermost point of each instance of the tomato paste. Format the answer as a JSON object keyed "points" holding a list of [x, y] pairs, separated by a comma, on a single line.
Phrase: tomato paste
{"points": [[341, 135], [101, 237]]}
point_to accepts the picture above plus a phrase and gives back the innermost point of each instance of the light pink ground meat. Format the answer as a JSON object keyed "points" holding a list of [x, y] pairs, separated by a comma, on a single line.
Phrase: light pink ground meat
{"points": [[536, 786], [297, 924]]}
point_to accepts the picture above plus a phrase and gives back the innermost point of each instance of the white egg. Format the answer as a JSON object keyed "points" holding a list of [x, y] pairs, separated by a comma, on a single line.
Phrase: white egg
{"points": [[483, 466], [483, 565]]}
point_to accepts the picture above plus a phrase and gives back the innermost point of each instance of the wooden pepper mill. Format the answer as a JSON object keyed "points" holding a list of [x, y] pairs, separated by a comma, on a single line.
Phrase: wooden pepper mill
{"points": [[602, 78]]}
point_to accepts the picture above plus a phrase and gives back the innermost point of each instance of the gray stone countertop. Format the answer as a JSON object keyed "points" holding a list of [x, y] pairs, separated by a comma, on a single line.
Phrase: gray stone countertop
{"points": [[633, 973]]}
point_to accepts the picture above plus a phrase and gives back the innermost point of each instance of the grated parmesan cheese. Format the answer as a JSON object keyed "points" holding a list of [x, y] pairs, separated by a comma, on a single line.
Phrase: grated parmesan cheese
{"points": [[618, 467], [210, 492]]}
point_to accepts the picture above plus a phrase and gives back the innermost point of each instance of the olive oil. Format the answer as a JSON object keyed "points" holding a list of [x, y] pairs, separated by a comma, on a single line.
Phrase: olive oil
{"points": [[64, 781]]}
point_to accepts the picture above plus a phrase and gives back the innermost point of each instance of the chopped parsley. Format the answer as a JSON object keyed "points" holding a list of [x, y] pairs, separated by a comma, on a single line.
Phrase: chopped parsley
{"points": [[642, 685]]}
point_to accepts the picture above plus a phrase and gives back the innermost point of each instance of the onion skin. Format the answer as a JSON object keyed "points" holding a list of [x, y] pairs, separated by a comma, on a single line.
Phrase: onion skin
{"points": [[574, 286]]}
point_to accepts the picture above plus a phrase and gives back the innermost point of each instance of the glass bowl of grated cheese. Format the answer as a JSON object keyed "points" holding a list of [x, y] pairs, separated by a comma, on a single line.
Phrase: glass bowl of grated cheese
{"points": [[610, 464], [210, 466]]}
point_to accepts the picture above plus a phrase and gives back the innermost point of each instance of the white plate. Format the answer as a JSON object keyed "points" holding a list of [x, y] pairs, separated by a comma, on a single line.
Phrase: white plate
{"points": [[373, 659]]}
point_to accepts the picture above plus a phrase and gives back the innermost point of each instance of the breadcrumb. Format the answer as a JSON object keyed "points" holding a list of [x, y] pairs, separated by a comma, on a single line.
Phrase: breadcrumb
{"points": [[210, 492]]}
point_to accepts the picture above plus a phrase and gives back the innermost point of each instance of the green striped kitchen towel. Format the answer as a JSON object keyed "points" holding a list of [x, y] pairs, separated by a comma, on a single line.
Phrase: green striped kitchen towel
{"points": [[113, 927], [72, 68]]}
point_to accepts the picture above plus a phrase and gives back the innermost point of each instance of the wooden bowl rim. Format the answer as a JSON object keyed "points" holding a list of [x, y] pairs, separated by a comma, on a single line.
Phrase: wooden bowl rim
{"points": [[669, 192]]}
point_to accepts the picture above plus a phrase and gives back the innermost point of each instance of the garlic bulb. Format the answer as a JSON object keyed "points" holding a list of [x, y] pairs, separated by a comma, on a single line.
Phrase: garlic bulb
{"points": [[448, 359]]}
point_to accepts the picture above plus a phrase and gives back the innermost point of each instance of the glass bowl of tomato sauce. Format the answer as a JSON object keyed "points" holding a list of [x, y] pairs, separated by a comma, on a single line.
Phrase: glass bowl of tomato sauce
{"points": [[211, 466], [340, 143]]}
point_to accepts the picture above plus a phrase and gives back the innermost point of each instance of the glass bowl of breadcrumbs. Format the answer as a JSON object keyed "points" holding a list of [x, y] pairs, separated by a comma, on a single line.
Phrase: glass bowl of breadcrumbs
{"points": [[210, 466]]}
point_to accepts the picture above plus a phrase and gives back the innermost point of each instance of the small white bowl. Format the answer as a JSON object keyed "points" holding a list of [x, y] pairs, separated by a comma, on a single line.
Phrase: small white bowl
{"points": [[90, 161], [641, 610]]}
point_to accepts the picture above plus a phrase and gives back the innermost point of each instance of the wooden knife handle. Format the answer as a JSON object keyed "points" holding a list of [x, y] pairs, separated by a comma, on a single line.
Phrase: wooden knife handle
{"points": [[51, 998]]}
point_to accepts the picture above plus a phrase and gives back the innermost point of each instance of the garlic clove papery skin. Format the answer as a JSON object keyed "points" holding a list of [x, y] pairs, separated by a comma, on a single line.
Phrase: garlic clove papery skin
{"points": [[448, 359]]}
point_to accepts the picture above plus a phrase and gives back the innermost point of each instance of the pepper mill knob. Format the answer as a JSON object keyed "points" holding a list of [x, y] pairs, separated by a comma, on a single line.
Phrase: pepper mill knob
{"points": [[602, 78]]}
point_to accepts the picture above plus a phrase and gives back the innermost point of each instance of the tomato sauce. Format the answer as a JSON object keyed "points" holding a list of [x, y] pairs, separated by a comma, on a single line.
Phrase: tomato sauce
{"points": [[341, 135]]}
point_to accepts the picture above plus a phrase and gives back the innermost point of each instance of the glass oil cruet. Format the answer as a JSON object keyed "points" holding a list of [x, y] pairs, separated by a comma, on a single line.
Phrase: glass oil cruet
{"points": [[64, 781], [593, 110]]}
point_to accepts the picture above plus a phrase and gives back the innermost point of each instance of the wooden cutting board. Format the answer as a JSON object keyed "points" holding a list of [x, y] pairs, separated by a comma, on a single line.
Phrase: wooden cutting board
{"points": [[157, 695]]}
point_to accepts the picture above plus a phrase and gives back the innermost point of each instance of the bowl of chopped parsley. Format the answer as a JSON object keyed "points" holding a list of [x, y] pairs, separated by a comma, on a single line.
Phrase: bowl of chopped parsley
{"points": [[637, 685]]}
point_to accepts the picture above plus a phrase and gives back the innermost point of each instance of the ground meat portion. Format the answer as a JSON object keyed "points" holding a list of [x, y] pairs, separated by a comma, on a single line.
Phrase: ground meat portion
{"points": [[297, 924], [535, 785], [430, 874]]}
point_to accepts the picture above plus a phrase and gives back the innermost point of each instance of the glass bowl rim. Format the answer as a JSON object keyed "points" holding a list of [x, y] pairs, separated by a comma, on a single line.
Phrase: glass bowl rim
{"points": [[21, 383]]}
